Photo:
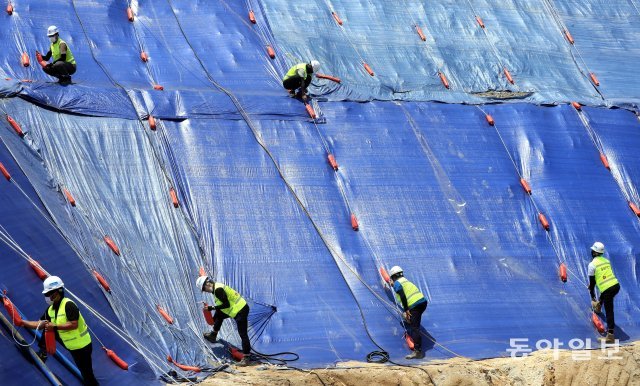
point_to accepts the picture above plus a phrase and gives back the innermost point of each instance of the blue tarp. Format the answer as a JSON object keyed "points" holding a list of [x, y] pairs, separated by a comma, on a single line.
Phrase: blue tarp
{"points": [[433, 186]]}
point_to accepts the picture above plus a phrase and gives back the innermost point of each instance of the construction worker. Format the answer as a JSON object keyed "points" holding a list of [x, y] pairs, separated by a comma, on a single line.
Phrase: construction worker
{"points": [[299, 77], [63, 316], [601, 275], [413, 305], [228, 304], [64, 64]]}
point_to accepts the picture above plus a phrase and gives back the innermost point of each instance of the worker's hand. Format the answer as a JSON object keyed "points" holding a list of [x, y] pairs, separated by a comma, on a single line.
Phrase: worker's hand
{"points": [[205, 307], [597, 307], [47, 325], [407, 316], [304, 97], [48, 66]]}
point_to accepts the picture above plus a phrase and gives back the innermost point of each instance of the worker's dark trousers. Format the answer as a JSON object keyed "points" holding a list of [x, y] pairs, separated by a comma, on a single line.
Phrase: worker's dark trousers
{"points": [[606, 298], [414, 325], [60, 70], [242, 320], [295, 82], [82, 358]]}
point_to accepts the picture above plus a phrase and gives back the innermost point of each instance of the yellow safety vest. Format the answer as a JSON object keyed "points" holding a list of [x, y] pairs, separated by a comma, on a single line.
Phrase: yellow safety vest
{"points": [[236, 302], [411, 292], [605, 278], [293, 71], [72, 339], [55, 51]]}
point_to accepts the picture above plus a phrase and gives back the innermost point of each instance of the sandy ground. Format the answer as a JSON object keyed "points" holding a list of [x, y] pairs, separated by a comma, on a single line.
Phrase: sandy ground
{"points": [[539, 368]]}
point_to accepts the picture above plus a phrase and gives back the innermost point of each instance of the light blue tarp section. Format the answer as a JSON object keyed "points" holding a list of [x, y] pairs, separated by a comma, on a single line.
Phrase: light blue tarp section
{"points": [[433, 186]]}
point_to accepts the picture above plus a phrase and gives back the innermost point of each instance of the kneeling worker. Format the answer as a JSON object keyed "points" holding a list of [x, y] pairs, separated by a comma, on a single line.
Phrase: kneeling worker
{"points": [[299, 78], [63, 316], [413, 305], [228, 304]]}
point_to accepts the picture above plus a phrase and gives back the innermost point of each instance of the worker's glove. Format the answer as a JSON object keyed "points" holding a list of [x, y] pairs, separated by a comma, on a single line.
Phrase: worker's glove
{"points": [[48, 66], [597, 307], [407, 316]]}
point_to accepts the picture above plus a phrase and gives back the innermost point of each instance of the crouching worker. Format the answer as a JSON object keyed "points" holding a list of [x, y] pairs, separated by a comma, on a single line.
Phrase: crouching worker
{"points": [[64, 64], [228, 304], [413, 305], [299, 78], [63, 317]]}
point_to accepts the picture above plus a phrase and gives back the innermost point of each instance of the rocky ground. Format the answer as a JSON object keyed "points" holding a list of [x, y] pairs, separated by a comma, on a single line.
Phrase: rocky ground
{"points": [[540, 368]]}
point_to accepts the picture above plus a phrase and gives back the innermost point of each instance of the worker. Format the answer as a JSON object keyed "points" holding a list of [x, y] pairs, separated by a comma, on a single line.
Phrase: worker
{"points": [[63, 317], [64, 64], [413, 305], [299, 77], [228, 304], [601, 275]]}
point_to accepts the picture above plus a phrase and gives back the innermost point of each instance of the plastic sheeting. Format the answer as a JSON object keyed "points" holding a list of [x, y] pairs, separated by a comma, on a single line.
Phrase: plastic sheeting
{"points": [[434, 187]]}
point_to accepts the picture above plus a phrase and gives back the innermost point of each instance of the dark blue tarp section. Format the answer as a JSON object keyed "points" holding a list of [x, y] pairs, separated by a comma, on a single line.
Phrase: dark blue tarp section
{"points": [[434, 187]]}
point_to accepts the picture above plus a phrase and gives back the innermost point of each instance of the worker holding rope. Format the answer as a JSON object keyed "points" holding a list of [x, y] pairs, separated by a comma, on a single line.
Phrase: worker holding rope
{"points": [[601, 275], [228, 304], [413, 305], [63, 317], [298, 78]]}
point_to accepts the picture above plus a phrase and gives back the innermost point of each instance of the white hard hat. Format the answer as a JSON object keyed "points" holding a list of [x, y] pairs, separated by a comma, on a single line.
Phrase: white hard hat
{"points": [[52, 30], [52, 283], [200, 282], [598, 247], [395, 270], [315, 65]]}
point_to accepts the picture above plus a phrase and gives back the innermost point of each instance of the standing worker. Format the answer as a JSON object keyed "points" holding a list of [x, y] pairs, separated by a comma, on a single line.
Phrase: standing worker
{"points": [[63, 316], [413, 305], [64, 64], [299, 77], [601, 275], [228, 304]]}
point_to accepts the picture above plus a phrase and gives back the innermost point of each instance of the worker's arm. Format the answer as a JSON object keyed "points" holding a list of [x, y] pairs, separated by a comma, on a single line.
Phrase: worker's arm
{"points": [[591, 272], [37, 325], [222, 297], [47, 56], [63, 53], [592, 286], [398, 288]]}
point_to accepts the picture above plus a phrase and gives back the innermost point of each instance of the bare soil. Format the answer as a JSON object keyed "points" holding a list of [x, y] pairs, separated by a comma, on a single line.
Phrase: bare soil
{"points": [[539, 368]]}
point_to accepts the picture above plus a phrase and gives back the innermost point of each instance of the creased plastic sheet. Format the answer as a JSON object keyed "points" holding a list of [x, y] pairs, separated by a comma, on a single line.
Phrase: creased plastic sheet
{"points": [[26, 221]]}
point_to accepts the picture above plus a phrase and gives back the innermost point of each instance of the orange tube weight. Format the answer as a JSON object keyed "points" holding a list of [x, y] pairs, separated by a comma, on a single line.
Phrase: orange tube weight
{"points": [[525, 185], [634, 208], [354, 222], [130, 14], [333, 162], [183, 367], [174, 197], [490, 120], [368, 69], [252, 17], [409, 341], [236, 354], [152, 122], [37, 268], [310, 111], [50, 341], [10, 9], [16, 127], [543, 221], [385, 275], [444, 80], [116, 359], [4, 172], [111, 245], [24, 59], [102, 281], [563, 272], [164, 314], [508, 75], [271, 52], [69, 197], [567, 34], [329, 77], [594, 79], [144, 57], [14, 315], [207, 315], [40, 60], [605, 161], [421, 34], [597, 323], [576, 106], [336, 18]]}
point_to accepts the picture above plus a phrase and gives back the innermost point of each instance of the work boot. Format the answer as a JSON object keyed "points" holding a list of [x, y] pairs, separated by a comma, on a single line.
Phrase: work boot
{"points": [[211, 336], [292, 93], [244, 361], [415, 355], [609, 339], [64, 79]]}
